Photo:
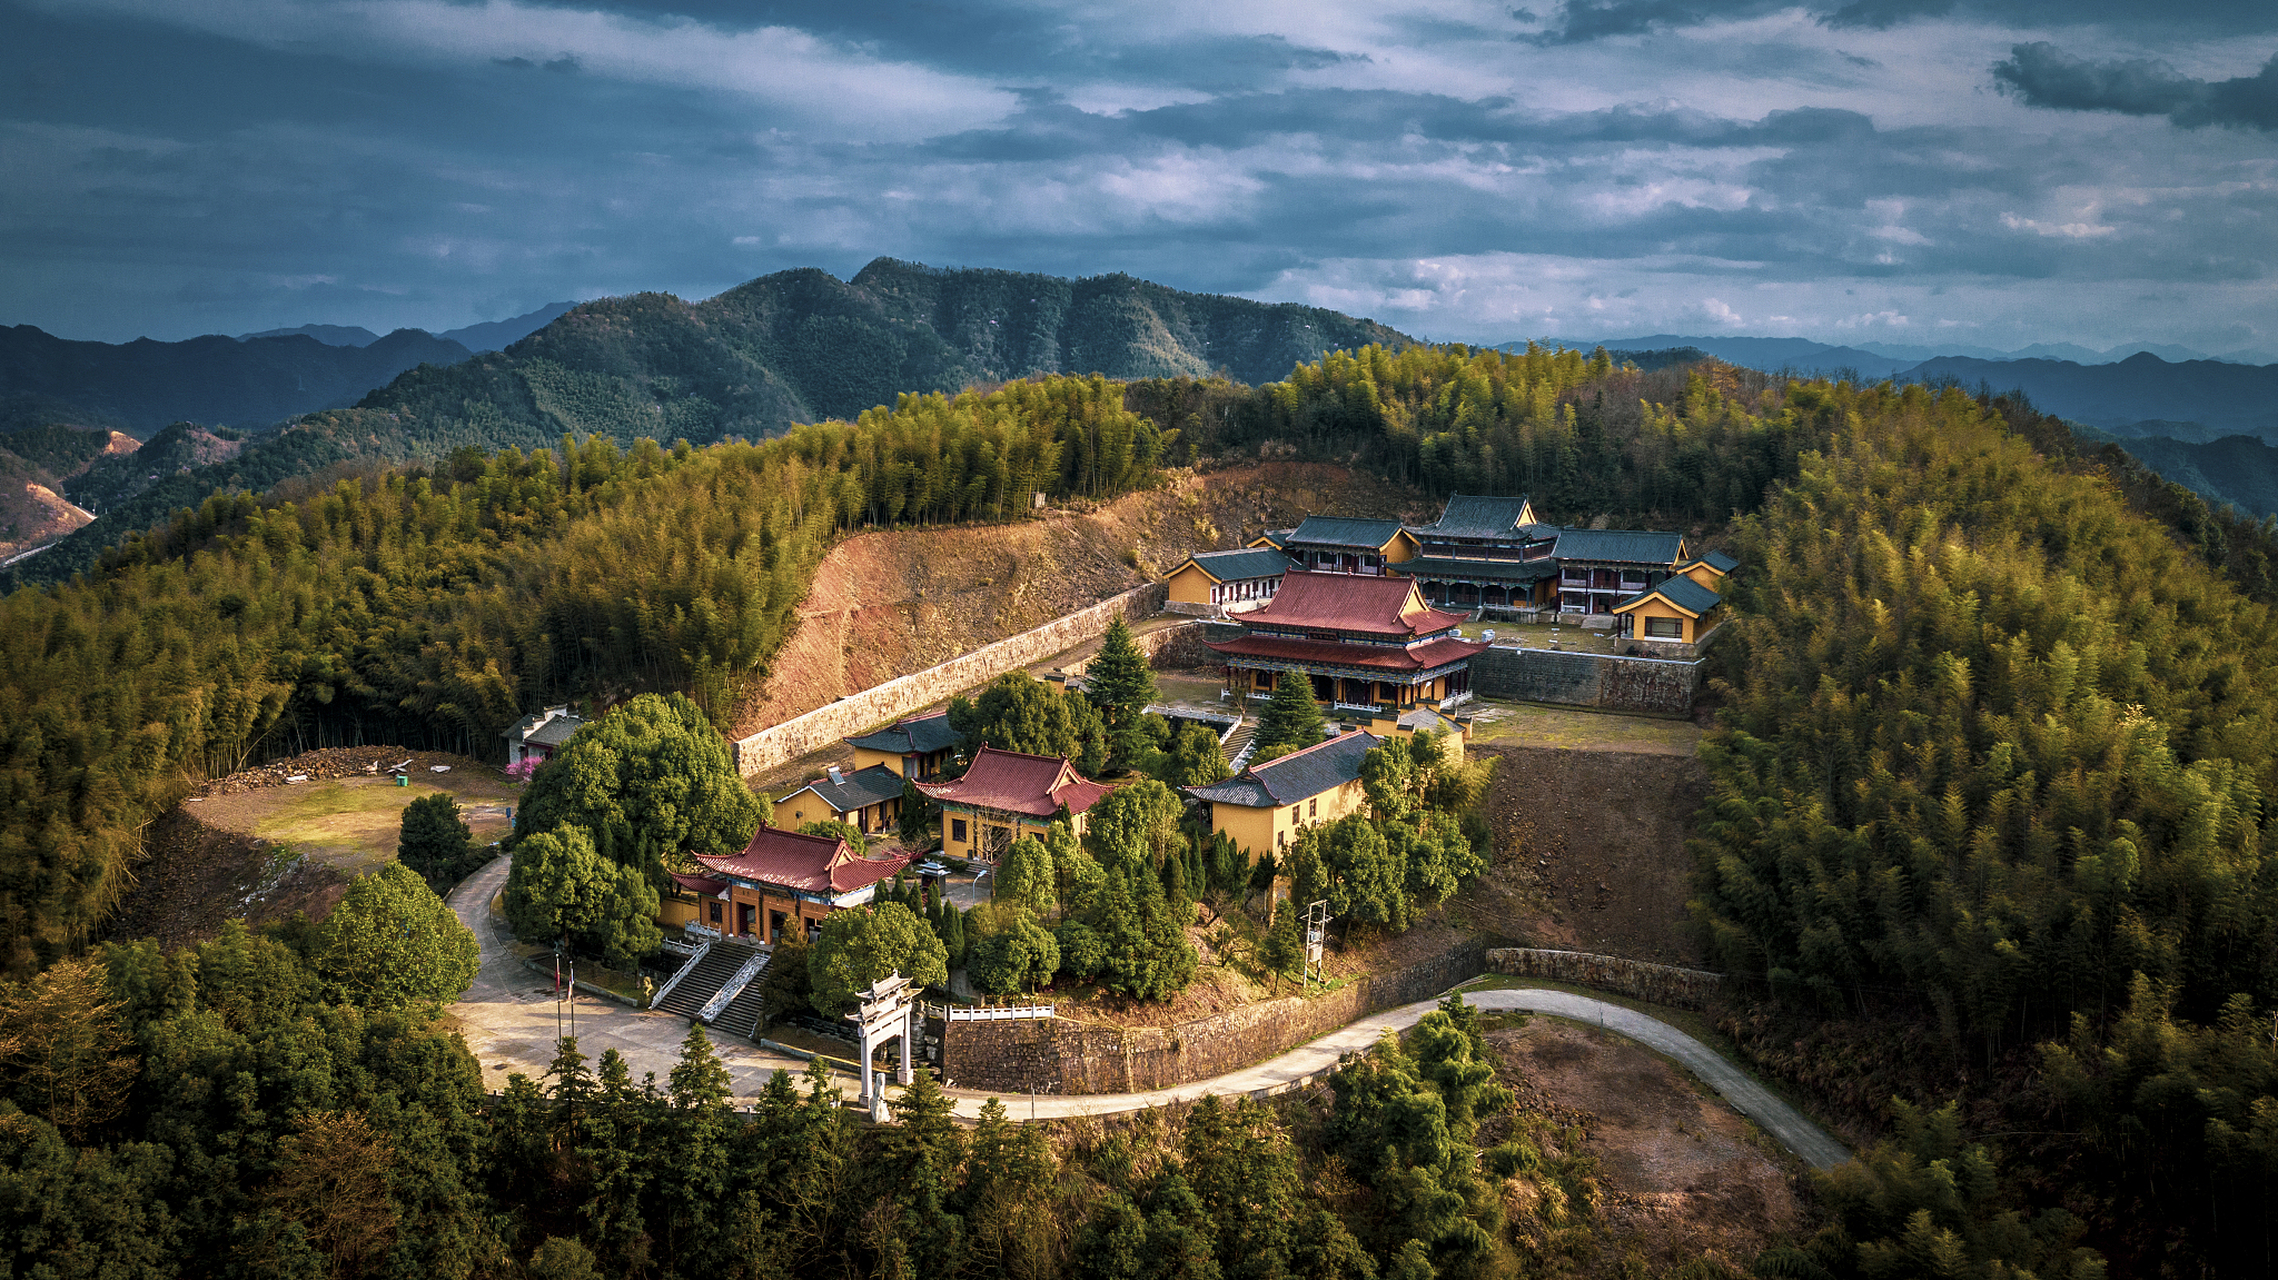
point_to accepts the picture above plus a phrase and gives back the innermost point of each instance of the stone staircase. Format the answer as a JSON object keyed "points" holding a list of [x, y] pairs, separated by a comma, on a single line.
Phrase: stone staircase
{"points": [[741, 1017], [700, 982], [1237, 744]]}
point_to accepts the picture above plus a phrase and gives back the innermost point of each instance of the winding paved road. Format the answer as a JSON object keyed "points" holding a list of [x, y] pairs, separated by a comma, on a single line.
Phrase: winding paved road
{"points": [[508, 1017]]}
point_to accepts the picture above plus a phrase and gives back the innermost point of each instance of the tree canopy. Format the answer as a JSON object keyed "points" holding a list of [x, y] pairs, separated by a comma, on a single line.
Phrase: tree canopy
{"points": [[391, 944], [1290, 720], [860, 945], [1018, 712]]}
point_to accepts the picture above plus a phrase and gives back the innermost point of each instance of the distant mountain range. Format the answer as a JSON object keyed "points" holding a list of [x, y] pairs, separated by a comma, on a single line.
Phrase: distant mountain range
{"points": [[492, 335], [1884, 359], [142, 385], [797, 346]]}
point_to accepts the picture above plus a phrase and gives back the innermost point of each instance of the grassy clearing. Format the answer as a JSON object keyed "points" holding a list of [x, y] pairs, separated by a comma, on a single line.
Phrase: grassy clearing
{"points": [[352, 823], [1526, 724]]}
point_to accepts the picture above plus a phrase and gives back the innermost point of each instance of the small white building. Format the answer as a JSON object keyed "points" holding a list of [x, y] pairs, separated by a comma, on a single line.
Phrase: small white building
{"points": [[541, 733]]}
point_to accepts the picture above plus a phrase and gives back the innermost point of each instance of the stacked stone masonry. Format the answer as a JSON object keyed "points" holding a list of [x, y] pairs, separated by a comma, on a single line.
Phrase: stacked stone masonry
{"points": [[1611, 683], [901, 696], [1659, 983], [1058, 1055]]}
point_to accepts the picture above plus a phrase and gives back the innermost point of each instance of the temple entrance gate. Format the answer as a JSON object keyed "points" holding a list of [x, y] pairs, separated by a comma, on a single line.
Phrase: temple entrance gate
{"points": [[889, 1010]]}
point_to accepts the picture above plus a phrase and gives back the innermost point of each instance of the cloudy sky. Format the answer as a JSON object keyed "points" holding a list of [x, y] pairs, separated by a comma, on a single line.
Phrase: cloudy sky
{"points": [[1992, 172]]}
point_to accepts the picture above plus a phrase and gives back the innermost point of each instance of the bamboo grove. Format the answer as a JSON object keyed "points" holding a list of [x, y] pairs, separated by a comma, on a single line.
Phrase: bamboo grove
{"points": [[430, 607]]}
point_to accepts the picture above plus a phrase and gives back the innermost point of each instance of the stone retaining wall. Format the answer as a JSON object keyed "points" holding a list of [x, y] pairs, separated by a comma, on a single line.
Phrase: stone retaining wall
{"points": [[1181, 648], [1058, 1055], [900, 696], [1659, 983], [1612, 683]]}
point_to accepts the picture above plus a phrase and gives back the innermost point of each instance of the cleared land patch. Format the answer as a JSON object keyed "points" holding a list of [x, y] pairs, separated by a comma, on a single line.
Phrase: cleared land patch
{"points": [[1684, 1175], [352, 823], [1590, 851], [256, 848]]}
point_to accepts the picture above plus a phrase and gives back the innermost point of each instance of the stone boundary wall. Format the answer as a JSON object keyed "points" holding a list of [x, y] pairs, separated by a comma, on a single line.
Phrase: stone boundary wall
{"points": [[1181, 648], [882, 703], [1058, 1055], [1659, 983], [1653, 685]]}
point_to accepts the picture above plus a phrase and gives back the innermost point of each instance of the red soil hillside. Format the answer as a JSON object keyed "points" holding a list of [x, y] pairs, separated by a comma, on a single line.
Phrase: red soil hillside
{"points": [[890, 603]]}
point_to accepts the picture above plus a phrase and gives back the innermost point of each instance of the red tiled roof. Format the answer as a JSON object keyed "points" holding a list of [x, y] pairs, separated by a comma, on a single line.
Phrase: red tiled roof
{"points": [[1016, 782], [698, 884], [1431, 653], [811, 864], [1350, 602]]}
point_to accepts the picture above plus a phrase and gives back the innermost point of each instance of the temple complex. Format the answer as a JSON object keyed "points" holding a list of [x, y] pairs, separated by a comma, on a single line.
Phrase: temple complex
{"points": [[1366, 644]]}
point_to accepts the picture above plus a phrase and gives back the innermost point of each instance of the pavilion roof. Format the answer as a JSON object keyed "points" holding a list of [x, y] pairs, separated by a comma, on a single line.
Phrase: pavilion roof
{"points": [[1016, 782], [809, 864], [1388, 606], [1474, 516]]}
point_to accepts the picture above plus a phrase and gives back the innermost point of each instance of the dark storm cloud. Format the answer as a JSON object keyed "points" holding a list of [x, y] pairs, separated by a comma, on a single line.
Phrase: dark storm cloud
{"points": [[209, 166], [2043, 75]]}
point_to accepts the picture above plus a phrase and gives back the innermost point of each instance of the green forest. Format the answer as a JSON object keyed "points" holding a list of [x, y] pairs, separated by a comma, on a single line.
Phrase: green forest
{"points": [[1982, 852], [432, 605]]}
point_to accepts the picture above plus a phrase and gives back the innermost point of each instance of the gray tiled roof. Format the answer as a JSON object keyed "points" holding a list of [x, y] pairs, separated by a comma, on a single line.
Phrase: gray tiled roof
{"points": [[1240, 566], [1620, 546], [921, 736], [1718, 561], [1241, 791], [1344, 531], [1296, 776], [556, 731], [1473, 516], [1682, 592], [854, 790]]}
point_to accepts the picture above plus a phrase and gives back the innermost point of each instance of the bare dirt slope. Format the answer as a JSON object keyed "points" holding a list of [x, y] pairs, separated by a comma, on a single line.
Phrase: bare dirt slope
{"points": [[31, 513], [890, 603], [1684, 1175], [1590, 851]]}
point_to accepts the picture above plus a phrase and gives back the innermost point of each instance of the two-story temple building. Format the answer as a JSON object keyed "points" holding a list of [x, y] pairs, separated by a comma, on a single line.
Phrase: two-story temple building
{"points": [[1005, 795], [1598, 569], [1342, 544], [1364, 643], [1488, 552]]}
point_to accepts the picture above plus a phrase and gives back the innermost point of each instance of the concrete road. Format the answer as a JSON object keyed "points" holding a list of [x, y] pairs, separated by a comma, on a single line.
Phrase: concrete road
{"points": [[509, 1019], [510, 1015]]}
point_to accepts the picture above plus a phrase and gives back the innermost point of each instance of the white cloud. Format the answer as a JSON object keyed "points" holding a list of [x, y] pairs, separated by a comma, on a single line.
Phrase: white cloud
{"points": [[2063, 230]]}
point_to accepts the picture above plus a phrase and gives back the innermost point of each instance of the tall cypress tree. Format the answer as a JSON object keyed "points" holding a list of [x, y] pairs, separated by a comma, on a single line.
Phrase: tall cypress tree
{"points": [[1292, 719]]}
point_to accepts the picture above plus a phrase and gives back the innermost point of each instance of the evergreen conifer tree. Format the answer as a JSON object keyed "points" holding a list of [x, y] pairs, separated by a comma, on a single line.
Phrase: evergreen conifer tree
{"points": [[1291, 719]]}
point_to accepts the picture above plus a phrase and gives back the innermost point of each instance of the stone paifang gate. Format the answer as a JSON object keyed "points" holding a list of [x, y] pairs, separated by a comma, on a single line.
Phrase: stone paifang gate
{"points": [[889, 1012]]}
